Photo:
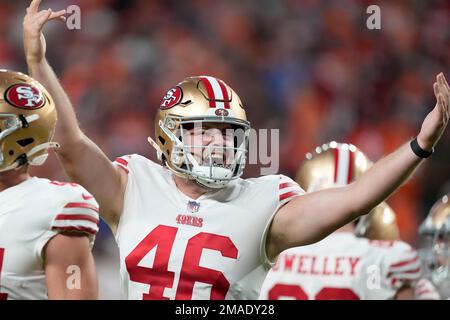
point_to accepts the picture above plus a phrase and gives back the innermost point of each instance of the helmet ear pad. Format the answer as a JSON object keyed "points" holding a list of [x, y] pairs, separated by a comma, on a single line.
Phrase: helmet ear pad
{"points": [[28, 111]]}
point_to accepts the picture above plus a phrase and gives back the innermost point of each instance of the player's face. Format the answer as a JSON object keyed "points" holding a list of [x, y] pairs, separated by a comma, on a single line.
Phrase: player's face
{"points": [[210, 142]]}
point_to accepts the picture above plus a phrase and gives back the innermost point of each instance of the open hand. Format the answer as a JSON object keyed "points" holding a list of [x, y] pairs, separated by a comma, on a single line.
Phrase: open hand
{"points": [[33, 22], [436, 121]]}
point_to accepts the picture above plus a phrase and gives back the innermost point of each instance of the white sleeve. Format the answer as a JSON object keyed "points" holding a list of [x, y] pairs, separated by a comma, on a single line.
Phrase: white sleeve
{"points": [[287, 190], [425, 290], [79, 213], [123, 162], [401, 266], [79, 216], [389, 266]]}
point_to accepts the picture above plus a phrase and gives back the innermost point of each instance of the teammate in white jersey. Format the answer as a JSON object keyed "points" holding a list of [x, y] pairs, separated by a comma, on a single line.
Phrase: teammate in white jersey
{"points": [[344, 266], [192, 228], [47, 228]]}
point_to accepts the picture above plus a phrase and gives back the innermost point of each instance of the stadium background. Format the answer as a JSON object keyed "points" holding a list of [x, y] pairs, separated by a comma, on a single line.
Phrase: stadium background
{"points": [[310, 68]]}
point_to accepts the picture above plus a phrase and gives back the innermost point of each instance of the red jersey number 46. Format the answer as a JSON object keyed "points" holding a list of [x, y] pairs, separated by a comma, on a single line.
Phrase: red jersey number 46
{"points": [[159, 277]]}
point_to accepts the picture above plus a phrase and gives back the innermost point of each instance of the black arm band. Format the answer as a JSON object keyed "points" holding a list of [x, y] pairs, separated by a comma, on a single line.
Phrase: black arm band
{"points": [[419, 151]]}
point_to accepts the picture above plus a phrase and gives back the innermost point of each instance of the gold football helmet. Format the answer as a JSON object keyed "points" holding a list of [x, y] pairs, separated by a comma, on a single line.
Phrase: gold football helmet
{"points": [[331, 165], [435, 252], [27, 121], [337, 164], [194, 102]]}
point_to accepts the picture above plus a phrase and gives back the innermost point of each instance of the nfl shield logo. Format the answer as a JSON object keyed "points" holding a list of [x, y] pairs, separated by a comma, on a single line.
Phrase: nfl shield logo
{"points": [[193, 206]]}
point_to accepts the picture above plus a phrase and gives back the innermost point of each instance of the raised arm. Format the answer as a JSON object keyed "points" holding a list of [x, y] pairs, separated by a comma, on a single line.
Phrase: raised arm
{"points": [[81, 158], [309, 218]]}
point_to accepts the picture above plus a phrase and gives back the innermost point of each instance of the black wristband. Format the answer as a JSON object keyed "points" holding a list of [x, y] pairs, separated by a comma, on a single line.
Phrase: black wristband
{"points": [[418, 151]]}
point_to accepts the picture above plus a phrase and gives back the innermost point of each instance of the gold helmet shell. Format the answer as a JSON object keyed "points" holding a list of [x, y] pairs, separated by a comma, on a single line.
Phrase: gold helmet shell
{"points": [[438, 219], [199, 100], [379, 224], [27, 120]]}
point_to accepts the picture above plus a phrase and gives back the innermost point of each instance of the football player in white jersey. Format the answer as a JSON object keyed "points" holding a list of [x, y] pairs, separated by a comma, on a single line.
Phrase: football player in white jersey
{"points": [[47, 228], [192, 228], [343, 265], [435, 254]]}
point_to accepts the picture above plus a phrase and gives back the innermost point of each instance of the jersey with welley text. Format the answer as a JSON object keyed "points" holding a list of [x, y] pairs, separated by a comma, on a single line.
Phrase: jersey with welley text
{"points": [[31, 214], [342, 267], [213, 247]]}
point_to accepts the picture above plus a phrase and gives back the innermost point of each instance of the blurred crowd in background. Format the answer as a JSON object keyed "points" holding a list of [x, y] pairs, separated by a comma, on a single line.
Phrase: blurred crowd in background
{"points": [[310, 68]]}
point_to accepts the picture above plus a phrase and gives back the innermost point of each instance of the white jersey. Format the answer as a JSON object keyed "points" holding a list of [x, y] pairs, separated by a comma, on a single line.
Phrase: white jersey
{"points": [[31, 213], [174, 247], [342, 267]]}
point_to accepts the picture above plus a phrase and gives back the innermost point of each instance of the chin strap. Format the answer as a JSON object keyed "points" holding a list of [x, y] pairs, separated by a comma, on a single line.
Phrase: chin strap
{"points": [[155, 145], [38, 161], [14, 165], [23, 122], [208, 175]]}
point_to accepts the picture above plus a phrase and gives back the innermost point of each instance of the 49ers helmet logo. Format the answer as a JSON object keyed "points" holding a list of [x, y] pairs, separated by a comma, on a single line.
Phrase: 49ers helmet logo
{"points": [[171, 99], [221, 112], [25, 96]]}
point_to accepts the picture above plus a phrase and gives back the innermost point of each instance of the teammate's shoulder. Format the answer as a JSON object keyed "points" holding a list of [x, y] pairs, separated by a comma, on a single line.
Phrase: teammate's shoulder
{"points": [[76, 210], [62, 185], [401, 264], [402, 245], [395, 253], [396, 245], [56, 186], [71, 191]]}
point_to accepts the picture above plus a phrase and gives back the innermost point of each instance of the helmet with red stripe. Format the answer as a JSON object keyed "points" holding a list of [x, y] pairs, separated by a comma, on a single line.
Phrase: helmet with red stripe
{"points": [[338, 164], [201, 104], [332, 165], [435, 232]]}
